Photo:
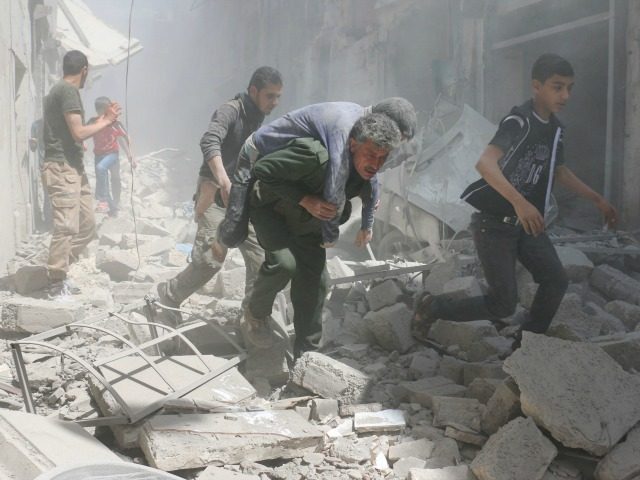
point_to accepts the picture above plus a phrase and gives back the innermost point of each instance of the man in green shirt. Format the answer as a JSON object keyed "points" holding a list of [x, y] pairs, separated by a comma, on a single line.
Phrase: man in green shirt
{"points": [[63, 173]]}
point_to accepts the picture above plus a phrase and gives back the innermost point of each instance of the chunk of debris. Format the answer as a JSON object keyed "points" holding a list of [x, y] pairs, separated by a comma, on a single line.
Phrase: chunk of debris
{"points": [[218, 473], [391, 327], [463, 334], [465, 435], [421, 449], [323, 409], [117, 263], [615, 284], [382, 421], [461, 288], [624, 349], [226, 438], [402, 467], [459, 472], [576, 264], [453, 411], [502, 407], [330, 378], [518, 451], [423, 391], [384, 294], [31, 315], [623, 462], [349, 410], [30, 278], [556, 381], [627, 312]]}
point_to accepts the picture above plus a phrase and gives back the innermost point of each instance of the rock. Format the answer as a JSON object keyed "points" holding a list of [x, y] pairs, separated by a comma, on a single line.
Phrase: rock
{"points": [[330, 378], [452, 368], [356, 329], [349, 410], [217, 473], [382, 421], [30, 278], [130, 292], [117, 263], [628, 313], [576, 264], [147, 227], [225, 438], [352, 450], [455, 412], [384, 294], [465, 435], [503, 406], [402, 467], [424, 364], [463, 334], [391, 327], [482, 389], [623, 462], [624, 349], [323, 409], [445, 453], [420, 449], [157, 246], [440, 274], [423, 391], [30, 315], [571, 322], [615, 285], [518, 451], [461, 288], [460, 472], [610, 323], [110, 239], [556, 381], [482, 370]]}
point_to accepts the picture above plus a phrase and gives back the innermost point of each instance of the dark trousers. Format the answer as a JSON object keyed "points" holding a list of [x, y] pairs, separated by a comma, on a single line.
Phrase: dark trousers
{"points": [[499, 245]]}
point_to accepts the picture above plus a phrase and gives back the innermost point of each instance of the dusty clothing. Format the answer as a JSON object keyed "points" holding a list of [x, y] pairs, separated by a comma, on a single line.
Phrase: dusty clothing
{"points": [[73, 221], [59, 145], [199, 271], [106, 140], [229, 127], [290, 236]]}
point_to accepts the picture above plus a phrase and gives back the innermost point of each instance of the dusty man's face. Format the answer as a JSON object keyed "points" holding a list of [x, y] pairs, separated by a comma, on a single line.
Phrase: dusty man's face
{"points": [[368, 157], [267, 98]]}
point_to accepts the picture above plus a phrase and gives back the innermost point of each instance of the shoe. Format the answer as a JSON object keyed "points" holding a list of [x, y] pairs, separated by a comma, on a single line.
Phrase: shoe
{"points": [[422, 317], [306, 344], [102, 207], [257, 331], [170, 318], [61, 289]]}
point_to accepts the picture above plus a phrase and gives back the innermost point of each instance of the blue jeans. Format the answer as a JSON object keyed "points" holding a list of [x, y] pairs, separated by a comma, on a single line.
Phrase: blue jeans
{"points": [[498, 246], [108, 165]]}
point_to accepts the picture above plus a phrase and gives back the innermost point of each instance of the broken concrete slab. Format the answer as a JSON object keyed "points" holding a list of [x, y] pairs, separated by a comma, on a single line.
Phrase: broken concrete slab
{"points": [[422, 391], [31, 445], [391, 327], [556, 381], [473, 370], [452, 368], [402, 467], [615, 284], [502, 407], [350, 450], [610, 323], [571, 322], [623, 462], [518, 451], [459, 472], [219, 473], [424, 364], [384, 294], [349, 410], [30, 278], [31, 315], [456, 412], [463, 334], [482, 389], [330, 378], [440, 274], [323, 409], [139, 385], [382, 421], [627, 312], [226, 438], [576, 264], [445, 453], [624, 349], [117, 263], [421, 449], [465, 435]]}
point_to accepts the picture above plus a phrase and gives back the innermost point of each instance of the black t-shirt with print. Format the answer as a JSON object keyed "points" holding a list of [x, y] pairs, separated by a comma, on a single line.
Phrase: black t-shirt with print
{"points": [[528, 169]]}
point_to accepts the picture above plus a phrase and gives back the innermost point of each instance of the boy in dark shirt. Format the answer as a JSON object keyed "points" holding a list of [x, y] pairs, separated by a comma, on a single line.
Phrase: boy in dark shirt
{"points": [[518, 168]]}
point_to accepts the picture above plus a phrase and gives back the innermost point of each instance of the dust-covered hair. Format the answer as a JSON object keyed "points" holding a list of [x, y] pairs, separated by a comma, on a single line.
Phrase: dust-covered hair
{"points": [[402, 112], [550, 64], [102, 103], [73, 62], [378, 128], [264, 76]]}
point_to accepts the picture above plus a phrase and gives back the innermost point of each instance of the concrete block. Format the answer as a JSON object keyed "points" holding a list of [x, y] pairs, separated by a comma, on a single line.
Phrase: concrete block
{"points": [[384, 294], [482, 370], [503, 406], [218, 473], [129, 292], [610, 323], [349, 410], [31, 445], [421, 449], [352, 450], [463, 334], [391, 327], [460, 288], [30, 315], [572, 322], [623, 462], [459, 472], [226, 438], [382, 421], [423, 365], [518, 451], [557, 389], [445, 453], [465, 435], [423, 391], [452, 368], [576, 264], [355, 327], [323, 409], [157, 246], [482, 389], [624, 349], [615, 285], [30, 278], [562, 470], [402, 467], [628, 313], [110, 239], [147, 227], [330, 378], [117, 263], [454, 411]]}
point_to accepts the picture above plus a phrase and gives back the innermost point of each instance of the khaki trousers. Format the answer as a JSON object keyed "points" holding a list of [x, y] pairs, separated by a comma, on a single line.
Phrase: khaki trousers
{"points": [[72, 214]]}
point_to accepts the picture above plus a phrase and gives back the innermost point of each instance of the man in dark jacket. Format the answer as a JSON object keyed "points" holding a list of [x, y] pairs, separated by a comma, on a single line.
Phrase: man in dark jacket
{"points": [[230, 126]]}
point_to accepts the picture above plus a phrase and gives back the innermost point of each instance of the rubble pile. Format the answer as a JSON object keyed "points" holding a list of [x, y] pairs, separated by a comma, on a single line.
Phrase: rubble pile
{"points": [[372, 403]]}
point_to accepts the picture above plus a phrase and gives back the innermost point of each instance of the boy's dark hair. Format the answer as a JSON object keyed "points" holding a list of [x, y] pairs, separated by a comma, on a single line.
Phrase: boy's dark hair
{"points": [[378, 128], [264, 76], [402, 112], [102, 102], [550, 64], [74, 61]]}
